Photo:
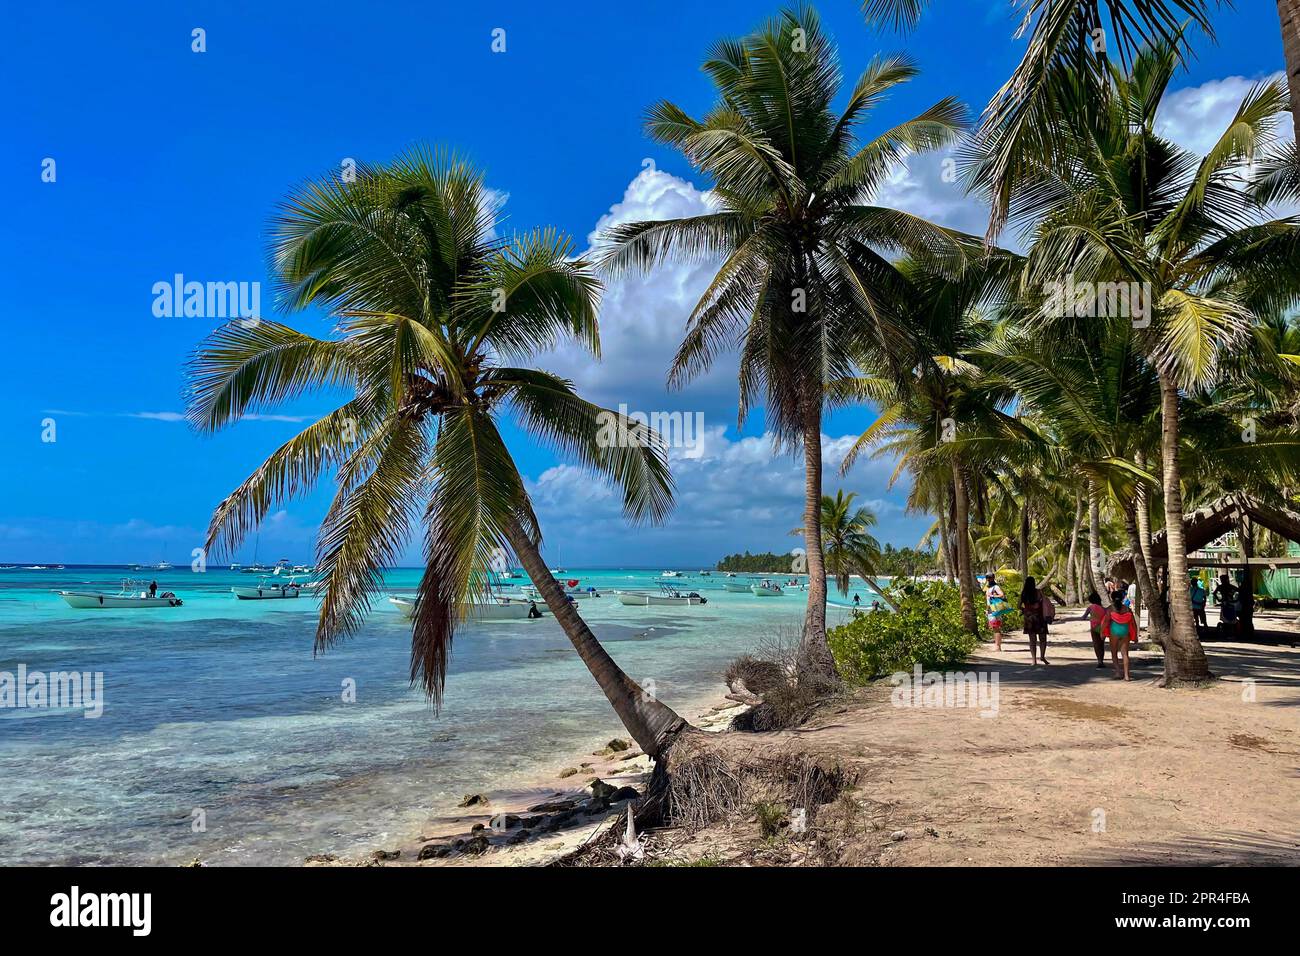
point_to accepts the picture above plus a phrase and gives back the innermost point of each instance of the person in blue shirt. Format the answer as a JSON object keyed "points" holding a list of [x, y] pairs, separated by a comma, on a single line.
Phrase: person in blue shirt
{"points": [[1199, 599]]}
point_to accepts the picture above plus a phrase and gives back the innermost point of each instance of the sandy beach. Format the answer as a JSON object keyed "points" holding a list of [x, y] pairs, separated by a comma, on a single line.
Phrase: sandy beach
{"points": [[1074, 767]]}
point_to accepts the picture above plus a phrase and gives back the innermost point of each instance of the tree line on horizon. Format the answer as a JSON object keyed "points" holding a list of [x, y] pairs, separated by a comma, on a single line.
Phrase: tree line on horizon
{"points": [[1031, 428]]}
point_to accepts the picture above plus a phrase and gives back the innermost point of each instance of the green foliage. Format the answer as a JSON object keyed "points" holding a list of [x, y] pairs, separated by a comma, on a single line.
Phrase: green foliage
{"points": [[905, 562], [771, 818], [765, 561], [926, 629]]}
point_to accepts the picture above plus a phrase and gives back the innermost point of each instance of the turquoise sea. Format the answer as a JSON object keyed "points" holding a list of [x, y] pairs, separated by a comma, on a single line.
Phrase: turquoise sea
{"points": [[217, 712]]}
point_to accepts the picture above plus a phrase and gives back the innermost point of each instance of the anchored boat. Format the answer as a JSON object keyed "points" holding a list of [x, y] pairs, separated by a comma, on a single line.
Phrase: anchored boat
{"points": [[666, 596], [267, 590], [766, 589], [504, 609], [132, 594]]}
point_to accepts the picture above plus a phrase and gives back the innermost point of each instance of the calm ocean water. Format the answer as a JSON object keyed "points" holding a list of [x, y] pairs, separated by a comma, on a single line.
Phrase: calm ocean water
{"points": [[218, 711]]}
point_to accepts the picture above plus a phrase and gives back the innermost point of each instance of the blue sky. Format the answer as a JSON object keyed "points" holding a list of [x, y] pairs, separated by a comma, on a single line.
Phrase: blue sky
{"points": [[170, 161]]}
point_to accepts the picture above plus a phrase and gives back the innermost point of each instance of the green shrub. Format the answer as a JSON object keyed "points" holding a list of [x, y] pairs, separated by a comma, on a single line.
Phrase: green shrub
{"points": [[926, 629]]}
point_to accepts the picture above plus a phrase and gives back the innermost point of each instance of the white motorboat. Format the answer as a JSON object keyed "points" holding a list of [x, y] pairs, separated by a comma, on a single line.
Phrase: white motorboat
{"points": [[671, 574], [735, 587], [506, 609], [666, 596], [35, 567], [267, 590], [162, 566], [235, 567], [132, 594], [766, 589]]}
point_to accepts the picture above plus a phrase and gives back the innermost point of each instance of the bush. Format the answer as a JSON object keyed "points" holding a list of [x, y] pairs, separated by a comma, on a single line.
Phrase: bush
{"points": [[926, 629]]}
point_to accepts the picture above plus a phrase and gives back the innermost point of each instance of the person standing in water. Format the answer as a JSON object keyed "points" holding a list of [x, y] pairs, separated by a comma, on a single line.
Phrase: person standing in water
{"points": [[1031, 606], [1096, 614], [1119, 628], [998, 608]]}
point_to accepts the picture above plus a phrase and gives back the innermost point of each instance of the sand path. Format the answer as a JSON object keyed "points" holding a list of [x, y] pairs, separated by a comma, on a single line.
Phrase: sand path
{"points": [[1077, 767]]}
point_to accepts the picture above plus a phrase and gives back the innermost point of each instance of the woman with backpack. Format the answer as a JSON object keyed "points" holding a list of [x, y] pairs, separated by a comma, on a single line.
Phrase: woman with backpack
{"points": [[1031, 606], [1120, 628]]}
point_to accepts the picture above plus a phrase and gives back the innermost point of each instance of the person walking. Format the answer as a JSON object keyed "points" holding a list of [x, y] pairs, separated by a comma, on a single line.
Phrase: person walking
{"points": [[1031, 606]]}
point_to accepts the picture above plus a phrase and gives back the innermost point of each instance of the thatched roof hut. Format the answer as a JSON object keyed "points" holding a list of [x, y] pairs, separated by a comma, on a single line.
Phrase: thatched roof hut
{"points": [[1206, 524]]}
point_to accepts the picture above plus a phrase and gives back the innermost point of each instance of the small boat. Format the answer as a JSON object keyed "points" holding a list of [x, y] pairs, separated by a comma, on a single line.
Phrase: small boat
{"points": [[6, 567], [162, 566], [766, 589], [706, 574], [235, 567], [735, 587], [132, 594], [506, 609], [666, 596], [35, 567], [255, 569], [303, 569], [573, 592], [267, 590], [671, 574]]}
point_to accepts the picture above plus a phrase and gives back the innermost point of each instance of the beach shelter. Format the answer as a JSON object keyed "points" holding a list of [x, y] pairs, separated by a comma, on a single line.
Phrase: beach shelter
{"points": [[1234, 513]]}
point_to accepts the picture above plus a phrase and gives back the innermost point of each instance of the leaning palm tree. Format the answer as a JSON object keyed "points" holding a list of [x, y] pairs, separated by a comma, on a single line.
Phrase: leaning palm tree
{"points": [[848, 544], [1145, 236], [1076, 34], [806, 277], [436, 321]]}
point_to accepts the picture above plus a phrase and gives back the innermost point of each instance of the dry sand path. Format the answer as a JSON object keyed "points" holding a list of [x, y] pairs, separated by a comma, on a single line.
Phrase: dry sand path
{"points": [[1079, 768]]}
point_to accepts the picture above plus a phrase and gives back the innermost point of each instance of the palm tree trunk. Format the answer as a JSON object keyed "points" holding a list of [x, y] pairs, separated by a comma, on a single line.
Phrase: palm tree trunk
{"points": [[1184, 656], [1024, 540], [652, 724], [1096, 557], [1144, 513], [1072, 582], [950, 555], [814, 651], [1158, 625], [1288, 12], [962, 533]]}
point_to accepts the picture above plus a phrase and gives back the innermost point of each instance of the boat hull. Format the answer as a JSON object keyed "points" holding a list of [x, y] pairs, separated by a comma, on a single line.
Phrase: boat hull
{"points": [[264, 594], [760, 591], [93, 599], [647, 600], [736, 588], [507, 611]]}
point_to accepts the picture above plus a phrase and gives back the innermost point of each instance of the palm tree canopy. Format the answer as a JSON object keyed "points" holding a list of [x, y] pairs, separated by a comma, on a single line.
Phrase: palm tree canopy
{"points": [[847, 539], [1080, 35], [805, 268], [436, 320]]}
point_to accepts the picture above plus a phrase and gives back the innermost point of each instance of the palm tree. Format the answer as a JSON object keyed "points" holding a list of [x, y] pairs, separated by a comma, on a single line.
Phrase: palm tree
{"points": [[1077, 34], [435, 320], [848, 544], [943, 420], [1183, 239], [805, 279]]}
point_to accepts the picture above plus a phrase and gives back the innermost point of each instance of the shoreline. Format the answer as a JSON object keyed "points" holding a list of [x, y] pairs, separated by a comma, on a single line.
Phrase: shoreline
{"points": [[539, 816]]}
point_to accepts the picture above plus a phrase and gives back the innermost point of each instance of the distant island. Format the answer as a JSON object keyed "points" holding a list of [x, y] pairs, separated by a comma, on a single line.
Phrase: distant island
{"points": [[891, 562]]}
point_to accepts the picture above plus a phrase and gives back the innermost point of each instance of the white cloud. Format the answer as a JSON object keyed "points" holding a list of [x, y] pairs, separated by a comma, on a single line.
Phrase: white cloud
{"points": [[735, 495], [928, 185], [643, 316], [1196, 116]]}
